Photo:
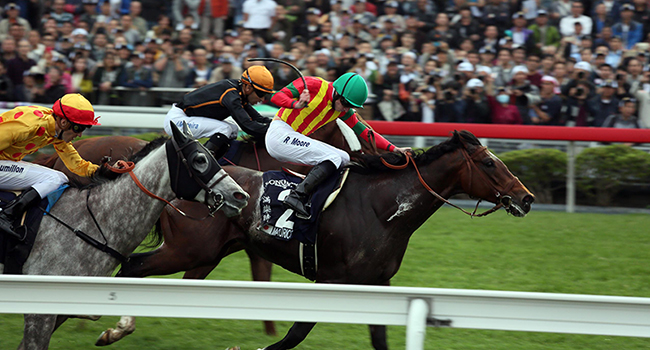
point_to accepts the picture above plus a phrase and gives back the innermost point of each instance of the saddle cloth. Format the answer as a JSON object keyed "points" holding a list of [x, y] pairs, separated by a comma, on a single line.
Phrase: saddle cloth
{"points": [[283, 224], [13, 254]]}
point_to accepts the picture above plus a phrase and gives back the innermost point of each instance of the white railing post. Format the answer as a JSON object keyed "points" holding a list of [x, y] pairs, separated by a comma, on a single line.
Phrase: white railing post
{"points": [[571, 178], [416, 324]]}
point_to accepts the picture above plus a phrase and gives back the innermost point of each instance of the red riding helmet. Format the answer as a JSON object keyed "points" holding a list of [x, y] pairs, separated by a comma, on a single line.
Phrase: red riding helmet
{"points": [[75, 108]]}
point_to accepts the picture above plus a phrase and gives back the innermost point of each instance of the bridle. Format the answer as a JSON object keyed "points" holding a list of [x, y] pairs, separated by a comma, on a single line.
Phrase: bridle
{"points": [[502, 200]]}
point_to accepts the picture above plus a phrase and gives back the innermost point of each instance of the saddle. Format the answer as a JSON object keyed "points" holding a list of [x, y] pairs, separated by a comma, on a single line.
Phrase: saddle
{"points": [[14, 253], [283, 224]]}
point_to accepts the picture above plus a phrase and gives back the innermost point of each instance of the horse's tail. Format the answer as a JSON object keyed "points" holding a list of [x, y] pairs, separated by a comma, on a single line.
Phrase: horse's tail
{"points": [[155, 237], [46, 160]]}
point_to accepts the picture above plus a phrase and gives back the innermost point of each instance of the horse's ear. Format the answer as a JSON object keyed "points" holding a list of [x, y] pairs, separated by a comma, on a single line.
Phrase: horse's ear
{"points": [[177, 134], [187, 131]]}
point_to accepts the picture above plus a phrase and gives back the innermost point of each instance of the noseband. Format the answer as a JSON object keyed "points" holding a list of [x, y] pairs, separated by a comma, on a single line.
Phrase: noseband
{"points": [[502, 201]]}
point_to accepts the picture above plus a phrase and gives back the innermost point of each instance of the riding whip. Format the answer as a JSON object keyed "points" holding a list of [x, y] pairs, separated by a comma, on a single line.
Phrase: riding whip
{"points": [[283, 62]]}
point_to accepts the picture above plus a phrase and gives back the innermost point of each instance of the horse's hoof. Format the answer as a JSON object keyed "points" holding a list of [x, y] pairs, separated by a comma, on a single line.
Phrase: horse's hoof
{"points": [[103, 338]]}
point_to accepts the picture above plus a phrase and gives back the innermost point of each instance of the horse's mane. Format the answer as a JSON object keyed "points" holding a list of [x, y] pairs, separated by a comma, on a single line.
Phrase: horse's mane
{"points": [[367, 164], [104, 175]]}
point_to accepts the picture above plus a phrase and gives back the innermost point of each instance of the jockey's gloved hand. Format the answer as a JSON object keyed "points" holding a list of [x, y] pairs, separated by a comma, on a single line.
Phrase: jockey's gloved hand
{"points": [[104, 172]]}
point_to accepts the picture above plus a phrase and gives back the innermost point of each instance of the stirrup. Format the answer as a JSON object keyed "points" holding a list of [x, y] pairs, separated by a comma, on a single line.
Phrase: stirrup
{"points": [[9, 230], [299, 208]]}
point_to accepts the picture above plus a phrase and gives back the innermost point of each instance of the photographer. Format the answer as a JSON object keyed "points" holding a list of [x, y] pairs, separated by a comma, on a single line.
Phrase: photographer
{"points": [[503, 112], [477, 107], [549, 110], [575, 109], [525, 94], [449, 108], [581, 72], [389, 107], [623, 89], [603, 104]]}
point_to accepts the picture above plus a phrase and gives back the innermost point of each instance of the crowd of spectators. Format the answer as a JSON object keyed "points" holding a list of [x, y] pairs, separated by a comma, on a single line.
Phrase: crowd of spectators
{"points": [[540, 62]]}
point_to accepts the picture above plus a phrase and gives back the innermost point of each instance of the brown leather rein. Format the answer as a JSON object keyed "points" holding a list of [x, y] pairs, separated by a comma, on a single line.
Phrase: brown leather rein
{"points": [[122, 167], [467, 157]]}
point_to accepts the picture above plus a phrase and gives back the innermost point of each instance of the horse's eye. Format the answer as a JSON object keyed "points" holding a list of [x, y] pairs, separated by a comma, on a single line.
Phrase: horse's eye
{"points": [[200, 163], [489, 163]]}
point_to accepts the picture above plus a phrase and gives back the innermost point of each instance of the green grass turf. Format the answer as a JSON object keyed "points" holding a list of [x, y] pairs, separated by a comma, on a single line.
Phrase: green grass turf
{"points": [[544, 252]]}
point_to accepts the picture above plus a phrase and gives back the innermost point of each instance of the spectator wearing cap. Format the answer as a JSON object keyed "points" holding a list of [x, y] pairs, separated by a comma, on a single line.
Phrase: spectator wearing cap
{"points": [[59, 14], [89, 12], [136, 76], [467, 27], [390, 8], [543, 33], [477, 108], [358, 28], [311, 28], [524, 94], [503, 111], [581, 72], [626, 118], [548, 111], [12, 11], [497, 13], [442, 31], [259, 16], [225, 70], [629, 30], [521, 35], [603, 104], [567, 24]]}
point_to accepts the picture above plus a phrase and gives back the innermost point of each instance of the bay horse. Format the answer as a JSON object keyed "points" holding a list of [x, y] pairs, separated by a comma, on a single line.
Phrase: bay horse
{"points": [[253, 156], [121, 215], [362, 236]]}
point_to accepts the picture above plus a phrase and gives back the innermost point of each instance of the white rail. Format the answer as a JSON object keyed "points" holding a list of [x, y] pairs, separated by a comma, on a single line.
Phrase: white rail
{"points": [[405, 306]]}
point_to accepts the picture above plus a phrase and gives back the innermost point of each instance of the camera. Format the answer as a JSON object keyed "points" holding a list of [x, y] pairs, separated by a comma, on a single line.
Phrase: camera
{"points": [[619, 76], [472, 91], [416, 94], [457, 76], [449, 95], [581, 75], [580, 91]]}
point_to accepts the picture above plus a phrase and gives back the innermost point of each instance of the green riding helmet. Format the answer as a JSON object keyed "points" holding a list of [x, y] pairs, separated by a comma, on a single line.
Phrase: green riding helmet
{"points": [[353, 88]]}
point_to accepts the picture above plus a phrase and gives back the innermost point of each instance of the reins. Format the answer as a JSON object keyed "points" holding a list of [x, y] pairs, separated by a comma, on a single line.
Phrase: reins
{"points": [[409, 159], [122, 167]]}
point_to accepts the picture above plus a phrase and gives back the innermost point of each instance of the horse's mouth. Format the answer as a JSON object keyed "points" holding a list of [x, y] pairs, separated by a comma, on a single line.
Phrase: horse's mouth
{"points": [[515, 210]]}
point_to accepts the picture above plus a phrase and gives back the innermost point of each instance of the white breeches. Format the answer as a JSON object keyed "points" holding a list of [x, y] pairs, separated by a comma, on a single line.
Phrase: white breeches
{"points": [[287, 145], [200, 126], [18, 176]]}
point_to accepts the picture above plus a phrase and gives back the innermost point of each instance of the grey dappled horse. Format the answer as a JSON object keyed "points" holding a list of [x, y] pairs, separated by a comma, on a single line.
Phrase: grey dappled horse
{"points": [[125, 214]]}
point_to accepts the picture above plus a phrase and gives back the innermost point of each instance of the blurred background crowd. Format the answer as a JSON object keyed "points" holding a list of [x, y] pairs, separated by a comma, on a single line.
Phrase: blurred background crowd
{"points": [[539, 62]]}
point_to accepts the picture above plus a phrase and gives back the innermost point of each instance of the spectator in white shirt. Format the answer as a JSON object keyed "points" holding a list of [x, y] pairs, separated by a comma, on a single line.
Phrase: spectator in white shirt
{"points": [[567, 24], [259, 15]]}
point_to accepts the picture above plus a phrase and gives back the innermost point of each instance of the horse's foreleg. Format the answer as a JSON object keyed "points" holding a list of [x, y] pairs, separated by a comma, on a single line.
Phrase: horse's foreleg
{"points": [[124, 327], [378, 337], [199, 273], [378, 333], [38, 331], [261, 270], [295, 336]]}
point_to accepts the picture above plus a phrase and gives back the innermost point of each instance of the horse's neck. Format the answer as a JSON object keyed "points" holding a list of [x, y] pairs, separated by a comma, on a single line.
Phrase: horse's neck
{"points": [[127, 207], [412, 204]]}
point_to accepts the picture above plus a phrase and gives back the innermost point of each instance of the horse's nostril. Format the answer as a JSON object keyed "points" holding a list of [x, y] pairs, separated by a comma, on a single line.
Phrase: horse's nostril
{"points": [[528, 199], [240, 196]]}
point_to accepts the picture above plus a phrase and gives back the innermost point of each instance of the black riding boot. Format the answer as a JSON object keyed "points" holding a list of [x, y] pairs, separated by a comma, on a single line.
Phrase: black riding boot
{"points": [[218, 144], [15, 208], [298, 196]]}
